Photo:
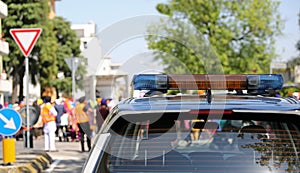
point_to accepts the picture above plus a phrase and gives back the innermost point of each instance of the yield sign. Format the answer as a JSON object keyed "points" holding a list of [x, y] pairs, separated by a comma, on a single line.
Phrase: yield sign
{"points": [[72, 63], [26, 38]]}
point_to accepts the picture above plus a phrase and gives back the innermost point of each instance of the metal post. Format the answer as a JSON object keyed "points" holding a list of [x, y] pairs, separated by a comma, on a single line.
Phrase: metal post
{"points": [[73, 64], [127, 86], [27, 100], [73, 78], [94, 78]]}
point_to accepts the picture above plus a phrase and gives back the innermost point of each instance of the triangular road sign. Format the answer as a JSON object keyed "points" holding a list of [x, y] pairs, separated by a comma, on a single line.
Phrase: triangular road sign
{"points": [[26, 38], [72, 63]]}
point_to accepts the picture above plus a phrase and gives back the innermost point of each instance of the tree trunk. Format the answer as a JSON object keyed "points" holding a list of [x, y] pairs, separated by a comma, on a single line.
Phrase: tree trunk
{"points": [[21, 83], [21, 90], [15, 88]]}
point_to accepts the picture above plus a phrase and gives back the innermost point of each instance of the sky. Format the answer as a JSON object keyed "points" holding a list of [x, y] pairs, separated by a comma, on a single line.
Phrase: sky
{"points": [[105, 13]]}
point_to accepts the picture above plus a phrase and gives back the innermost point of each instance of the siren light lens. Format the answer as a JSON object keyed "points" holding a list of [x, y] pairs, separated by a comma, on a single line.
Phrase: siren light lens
{"points": [[150, 82], [265, 82], [203, 82]]}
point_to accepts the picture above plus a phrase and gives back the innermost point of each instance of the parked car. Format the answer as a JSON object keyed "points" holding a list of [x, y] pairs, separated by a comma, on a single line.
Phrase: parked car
{"points": [[242, 129]]}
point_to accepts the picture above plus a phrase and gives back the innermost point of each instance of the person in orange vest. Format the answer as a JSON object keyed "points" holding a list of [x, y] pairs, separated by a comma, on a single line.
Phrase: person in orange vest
{"points": [[49, 114], [83, 119]]}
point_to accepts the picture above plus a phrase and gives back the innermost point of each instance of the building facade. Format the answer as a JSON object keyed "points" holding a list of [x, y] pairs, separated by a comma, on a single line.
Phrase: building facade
{"points": [[102, 75], [5, 83]]}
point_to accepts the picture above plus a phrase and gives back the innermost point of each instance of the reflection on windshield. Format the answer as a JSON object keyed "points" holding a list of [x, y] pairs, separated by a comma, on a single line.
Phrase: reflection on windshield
{"points": [[207, 145]]}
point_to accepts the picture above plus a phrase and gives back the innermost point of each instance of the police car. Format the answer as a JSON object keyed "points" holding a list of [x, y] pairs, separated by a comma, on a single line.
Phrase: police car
{"points": [[236, 125]]}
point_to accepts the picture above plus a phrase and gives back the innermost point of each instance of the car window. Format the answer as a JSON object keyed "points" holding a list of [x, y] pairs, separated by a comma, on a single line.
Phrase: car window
{"points": [[240, 142]]}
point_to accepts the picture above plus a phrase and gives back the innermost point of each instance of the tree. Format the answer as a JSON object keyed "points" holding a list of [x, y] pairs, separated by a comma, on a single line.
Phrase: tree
{"points": [[295, 61], [236, 35], [298, 43]]}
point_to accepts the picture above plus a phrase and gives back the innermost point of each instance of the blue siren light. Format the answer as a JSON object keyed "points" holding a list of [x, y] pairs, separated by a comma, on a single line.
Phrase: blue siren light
{"points": [[265, 82], [204, 81], [150, 82]]}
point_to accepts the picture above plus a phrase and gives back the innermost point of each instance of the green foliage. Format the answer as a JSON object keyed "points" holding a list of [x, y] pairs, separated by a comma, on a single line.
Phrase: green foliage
{"points": [[47, 57], [67, 40], [288, 91], [173, 92], [216, 36], [65, 85]]}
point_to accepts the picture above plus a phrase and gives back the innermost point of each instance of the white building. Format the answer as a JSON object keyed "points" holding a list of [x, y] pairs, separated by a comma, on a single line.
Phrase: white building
{"points": [[297, 74], [102, 74], [85, 32]]}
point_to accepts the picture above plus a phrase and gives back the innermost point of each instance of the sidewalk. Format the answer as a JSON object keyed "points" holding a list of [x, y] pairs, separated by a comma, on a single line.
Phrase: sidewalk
{"points": [[33, 160]]}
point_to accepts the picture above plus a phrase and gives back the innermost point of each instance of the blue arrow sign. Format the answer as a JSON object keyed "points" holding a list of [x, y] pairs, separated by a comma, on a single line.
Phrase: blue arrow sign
{"points": [[10, 122]]}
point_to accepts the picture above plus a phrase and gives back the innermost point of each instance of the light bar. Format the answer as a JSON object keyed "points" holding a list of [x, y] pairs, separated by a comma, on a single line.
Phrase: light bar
{"points": [[204, 82]]}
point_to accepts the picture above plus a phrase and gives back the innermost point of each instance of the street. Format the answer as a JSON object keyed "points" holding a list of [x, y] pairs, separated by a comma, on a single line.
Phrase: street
{"points": [[68, 159]]}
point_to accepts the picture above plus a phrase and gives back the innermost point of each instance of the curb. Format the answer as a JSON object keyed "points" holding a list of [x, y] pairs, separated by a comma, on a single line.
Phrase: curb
{"points": [[35, 165]]}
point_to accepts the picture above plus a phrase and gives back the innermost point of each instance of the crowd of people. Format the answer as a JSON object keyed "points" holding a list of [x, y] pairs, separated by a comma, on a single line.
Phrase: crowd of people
{"points": [[67, 120]]}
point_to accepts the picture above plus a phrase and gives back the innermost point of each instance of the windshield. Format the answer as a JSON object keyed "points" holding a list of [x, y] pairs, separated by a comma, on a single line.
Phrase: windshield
{"points": [[235, 143]]}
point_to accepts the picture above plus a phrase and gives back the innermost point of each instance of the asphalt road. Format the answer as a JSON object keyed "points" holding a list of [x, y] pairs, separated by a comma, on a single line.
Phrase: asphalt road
{"points": [[67, 159]]}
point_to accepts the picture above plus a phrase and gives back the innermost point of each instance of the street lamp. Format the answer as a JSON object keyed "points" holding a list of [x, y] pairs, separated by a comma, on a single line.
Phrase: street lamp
{"points": [[73, 63]]}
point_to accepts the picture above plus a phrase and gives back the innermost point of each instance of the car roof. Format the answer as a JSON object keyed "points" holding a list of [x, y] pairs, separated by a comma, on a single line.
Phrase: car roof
{"points": [[225, 102]]}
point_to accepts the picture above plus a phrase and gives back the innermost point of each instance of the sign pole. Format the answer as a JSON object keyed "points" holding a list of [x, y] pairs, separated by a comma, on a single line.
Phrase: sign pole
{"points": [[27, 100], [73, 79], [73, 63]]}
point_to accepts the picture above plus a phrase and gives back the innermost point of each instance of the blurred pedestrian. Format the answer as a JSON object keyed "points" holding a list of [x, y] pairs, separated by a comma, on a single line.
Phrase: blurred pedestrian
{"points": [[98, 115], [60, 109], [10, 106], [73, 128], [38, 126], [49, 114], [5, 104], [83, 123], [90, 109], [64, 124], [102, 112], [110, 103]]}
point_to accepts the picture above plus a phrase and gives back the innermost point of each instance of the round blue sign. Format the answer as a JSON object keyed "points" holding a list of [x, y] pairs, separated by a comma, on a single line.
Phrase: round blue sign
{"points": [[10, 122]]}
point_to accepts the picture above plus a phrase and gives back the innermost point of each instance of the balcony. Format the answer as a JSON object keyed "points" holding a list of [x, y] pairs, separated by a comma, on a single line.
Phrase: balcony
{"points": [[4, 48], [5, 85], [3, 10]]}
